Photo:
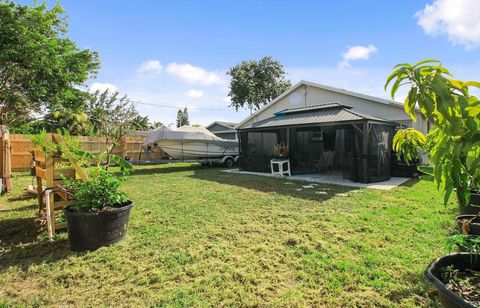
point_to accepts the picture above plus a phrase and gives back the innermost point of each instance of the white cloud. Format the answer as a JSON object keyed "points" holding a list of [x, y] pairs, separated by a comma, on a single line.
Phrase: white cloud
{"points": [[194, 93], [153, 66], [356, 53], [194, 74], [98, 86], [459, 20]]}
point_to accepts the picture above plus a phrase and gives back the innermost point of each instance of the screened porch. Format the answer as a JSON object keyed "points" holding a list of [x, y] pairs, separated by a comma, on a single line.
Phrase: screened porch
{"points": [[357, 148]]}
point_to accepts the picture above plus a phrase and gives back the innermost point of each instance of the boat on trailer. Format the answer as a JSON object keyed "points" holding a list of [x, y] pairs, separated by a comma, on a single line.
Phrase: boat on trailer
{"points": [[189, 143]]}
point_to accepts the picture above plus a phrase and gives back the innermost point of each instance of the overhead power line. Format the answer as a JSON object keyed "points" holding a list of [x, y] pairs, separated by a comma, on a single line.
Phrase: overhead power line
{"points": [[177, 107]]}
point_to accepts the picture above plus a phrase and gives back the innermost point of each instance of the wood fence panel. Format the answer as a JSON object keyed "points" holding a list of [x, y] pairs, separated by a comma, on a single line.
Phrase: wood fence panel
{"points": [[22, 149]]}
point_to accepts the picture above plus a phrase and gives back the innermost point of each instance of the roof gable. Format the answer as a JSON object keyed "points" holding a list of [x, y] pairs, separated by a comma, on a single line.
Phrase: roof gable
{"points": [[318, 114], [292, 89]]}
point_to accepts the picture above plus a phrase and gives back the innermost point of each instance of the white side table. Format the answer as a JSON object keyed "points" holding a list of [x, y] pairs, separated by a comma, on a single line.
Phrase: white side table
{"points": [[280, 163]]}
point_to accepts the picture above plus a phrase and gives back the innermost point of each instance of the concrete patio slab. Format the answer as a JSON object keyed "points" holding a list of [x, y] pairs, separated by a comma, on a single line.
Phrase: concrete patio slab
{"points": [[334, 178]]}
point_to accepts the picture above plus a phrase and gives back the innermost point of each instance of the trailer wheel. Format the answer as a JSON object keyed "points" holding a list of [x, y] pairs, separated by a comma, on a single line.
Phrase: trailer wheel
{"points": [[229, 162]]}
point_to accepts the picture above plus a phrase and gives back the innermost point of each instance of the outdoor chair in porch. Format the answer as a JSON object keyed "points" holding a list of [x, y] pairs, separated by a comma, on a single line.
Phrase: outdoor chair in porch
{"points": [[324, 163]]}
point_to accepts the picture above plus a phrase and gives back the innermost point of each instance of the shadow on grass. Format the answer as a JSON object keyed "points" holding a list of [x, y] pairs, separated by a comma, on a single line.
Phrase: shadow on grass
{"points": [[19, 245], [34, 253], [319, 192], [410, 183], [168, 168], [284, 186], [19, 209], [22, 197], [18, 230]]}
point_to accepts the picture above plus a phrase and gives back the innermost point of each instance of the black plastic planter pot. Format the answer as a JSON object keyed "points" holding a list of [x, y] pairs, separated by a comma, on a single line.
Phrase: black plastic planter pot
{"points": [[459, 261], [474, 226], [474, 206], [471, 209], [90, 230], [475, 197]]}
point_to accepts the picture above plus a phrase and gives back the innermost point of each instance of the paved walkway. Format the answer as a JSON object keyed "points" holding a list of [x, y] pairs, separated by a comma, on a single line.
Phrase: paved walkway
{"points": [[336, 179]]}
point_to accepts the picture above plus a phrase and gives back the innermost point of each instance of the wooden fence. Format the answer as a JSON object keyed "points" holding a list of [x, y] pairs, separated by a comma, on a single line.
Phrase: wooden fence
{"points": [[130, 146]]}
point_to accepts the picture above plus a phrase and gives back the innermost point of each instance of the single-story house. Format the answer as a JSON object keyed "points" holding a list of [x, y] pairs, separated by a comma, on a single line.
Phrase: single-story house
{"points": [[326, 129], [224, 130]]}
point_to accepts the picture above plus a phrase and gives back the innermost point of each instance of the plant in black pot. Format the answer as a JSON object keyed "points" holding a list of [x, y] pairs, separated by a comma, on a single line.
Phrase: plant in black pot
{"points": [[99, 213], [453, 147]]}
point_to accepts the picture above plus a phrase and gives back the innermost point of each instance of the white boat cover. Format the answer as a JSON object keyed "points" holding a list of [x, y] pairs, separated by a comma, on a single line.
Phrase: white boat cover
{"points": [[184, 133]]}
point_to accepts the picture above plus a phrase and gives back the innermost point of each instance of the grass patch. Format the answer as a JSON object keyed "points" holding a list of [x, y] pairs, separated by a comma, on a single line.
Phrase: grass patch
{"points": [[200, 236]]}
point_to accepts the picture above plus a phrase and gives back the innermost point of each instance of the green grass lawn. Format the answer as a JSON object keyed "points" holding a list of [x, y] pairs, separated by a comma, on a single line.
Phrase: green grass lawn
{"points": [[199, 236]]}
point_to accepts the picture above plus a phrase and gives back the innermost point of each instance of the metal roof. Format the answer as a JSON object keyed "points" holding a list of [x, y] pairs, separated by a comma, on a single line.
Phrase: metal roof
{"points": [[319, 114], [324, 87]]}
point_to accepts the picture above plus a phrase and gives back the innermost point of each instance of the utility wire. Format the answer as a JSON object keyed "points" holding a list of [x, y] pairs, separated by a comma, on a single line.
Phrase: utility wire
{"points": [[177, 107]]}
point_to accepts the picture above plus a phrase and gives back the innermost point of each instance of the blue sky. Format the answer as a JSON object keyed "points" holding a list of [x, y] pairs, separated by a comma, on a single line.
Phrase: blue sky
{"points": [[176, 53]]}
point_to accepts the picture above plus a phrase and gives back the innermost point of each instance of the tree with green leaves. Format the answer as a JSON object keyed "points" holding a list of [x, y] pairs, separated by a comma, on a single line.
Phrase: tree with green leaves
{"points": [[182, 117], [39, 65], [75, 121], [453, 144], [157, 124], [186, 120], [179, 118], [111, 116], [255, 83], [141, 123]]}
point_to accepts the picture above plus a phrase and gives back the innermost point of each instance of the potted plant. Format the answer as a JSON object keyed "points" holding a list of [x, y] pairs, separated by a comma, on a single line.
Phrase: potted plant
{"points": [[453, 146], [280, 150], [457, 279], [99, 213]]}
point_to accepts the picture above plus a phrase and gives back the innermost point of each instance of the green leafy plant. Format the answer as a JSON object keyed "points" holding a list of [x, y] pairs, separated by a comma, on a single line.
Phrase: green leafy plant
{"points": [[407, 142], [43, 146], [280, 149], [102, 189], [453, 144], [100, 192], [467, 243], [68, 148]]}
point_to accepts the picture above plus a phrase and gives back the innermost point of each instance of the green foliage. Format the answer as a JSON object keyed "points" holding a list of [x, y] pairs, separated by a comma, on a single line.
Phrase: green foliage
{"points": [[468, 243], [143, 123], [454, 143], [75, 121], [407, 142], [39, 65], [255, 83], [28, 128], [43, 146], [182, 117], [69, 148], [102, 190], [111, 116]]}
